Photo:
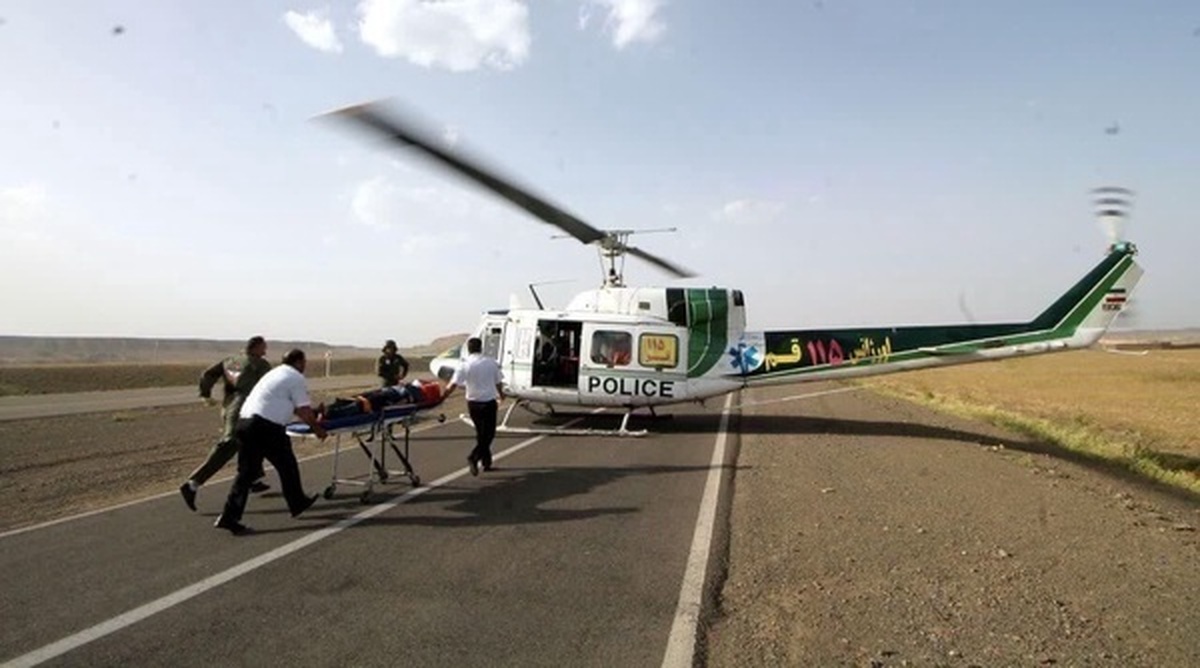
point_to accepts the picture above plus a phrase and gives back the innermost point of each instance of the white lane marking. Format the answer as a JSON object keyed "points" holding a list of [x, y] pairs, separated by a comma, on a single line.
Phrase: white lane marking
{"points": [[60, 647], [163, 495], [681, 644], [794, 397]]}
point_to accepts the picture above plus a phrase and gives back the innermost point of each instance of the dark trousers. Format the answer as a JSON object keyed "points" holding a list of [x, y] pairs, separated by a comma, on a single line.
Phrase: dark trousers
{"points": [[262, 439], [483, 414], [225, 449]]}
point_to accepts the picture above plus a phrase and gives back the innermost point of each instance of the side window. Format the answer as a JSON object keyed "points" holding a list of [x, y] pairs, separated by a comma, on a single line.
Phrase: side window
{"points": [[612, 348], [658, 351], [491, 341]]}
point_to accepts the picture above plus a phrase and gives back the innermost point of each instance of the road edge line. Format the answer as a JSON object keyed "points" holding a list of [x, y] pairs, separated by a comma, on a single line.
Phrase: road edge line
{"points": [[681, 643]]}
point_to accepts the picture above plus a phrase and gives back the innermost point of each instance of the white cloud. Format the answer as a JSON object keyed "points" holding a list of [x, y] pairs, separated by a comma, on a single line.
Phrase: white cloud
{"points": [[22, 207], [628, 20], [377, 203], [458, 35], [315, 29], [749, 211], [409, 212]]}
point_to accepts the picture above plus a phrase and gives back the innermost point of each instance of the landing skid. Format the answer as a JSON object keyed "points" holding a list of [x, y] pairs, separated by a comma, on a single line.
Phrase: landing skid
{"points": [[504, 427]]}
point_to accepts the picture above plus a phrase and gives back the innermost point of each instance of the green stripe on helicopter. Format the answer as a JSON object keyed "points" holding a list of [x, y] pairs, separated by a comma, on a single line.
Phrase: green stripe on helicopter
{"points": [[708, 329]]}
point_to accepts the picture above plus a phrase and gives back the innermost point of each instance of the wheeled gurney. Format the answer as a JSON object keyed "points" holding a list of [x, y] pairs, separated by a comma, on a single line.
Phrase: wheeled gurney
{"points": [[376, 424]]}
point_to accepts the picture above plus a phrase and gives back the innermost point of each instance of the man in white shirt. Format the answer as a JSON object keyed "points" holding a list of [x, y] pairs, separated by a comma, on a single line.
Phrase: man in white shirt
{"points": [[261, 432], [484, 388]]}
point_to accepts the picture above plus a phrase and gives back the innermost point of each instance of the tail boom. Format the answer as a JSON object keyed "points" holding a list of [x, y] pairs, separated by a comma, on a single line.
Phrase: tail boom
{"points": [[1076, 320]]}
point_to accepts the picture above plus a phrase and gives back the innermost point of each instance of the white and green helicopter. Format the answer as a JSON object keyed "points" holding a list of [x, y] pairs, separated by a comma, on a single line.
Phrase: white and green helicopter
{"points": [[643, 347]]}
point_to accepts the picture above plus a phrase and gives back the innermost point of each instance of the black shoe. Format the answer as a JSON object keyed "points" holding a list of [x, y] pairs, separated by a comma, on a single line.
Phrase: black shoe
{"points": [[258, 487], [307, 504], [189, 495], [489, 467], [235, 528], [474, 466]]}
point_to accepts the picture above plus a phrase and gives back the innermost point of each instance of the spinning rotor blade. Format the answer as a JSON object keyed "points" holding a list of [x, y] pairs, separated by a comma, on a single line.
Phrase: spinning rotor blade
{"points": [[659, 262], [373, 117]]}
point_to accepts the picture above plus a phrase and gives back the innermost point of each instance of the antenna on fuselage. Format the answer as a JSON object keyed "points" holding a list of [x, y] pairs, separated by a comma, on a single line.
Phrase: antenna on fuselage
{"points": [[536, 298], [613, 248]]}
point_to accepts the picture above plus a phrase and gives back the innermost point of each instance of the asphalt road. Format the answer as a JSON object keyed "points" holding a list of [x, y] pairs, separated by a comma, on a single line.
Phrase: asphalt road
{"points": [[571, 553], [49, 405]]}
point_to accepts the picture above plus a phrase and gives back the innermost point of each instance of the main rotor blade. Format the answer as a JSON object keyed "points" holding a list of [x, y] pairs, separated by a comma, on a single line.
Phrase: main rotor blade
{"points": [[372, 116], [659, 262]]}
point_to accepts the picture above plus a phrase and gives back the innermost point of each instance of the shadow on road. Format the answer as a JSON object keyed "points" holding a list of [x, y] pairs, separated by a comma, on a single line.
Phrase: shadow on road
{"points": [[510, 496]]}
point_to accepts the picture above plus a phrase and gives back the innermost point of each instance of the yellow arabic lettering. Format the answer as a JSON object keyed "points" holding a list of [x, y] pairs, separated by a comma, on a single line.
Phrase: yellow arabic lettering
{"points": [[775, 359], [869, 351]]}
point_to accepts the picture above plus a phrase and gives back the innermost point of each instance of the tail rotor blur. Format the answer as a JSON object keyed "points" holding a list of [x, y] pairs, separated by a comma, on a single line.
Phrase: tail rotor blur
{"points": [[1113, 204]]}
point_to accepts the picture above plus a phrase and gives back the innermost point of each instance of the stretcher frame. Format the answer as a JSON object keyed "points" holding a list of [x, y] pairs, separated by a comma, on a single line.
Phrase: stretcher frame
{"points": [[380, 430]]}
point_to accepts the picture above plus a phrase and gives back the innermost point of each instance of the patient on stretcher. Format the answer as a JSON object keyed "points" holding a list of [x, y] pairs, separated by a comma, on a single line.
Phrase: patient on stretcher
{"points": [[420, 392]]}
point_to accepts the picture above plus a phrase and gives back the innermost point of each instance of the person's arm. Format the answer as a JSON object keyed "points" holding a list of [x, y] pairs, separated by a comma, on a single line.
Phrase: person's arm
{"points": [[455, 380], [208, 379], [309, 417], [403, 368]]}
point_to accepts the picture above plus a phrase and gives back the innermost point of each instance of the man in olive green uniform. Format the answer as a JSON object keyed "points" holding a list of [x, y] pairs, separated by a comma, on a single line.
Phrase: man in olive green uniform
{"points": [[239, 377], [392, 367]]}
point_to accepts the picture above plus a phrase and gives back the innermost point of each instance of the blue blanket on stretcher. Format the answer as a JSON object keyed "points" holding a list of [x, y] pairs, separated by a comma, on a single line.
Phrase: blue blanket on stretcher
{"points": [[383, 405]]}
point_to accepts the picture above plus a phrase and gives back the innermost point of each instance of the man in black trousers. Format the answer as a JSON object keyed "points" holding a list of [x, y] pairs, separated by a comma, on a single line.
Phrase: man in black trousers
{"points": [[261, 430], [484, 387]]}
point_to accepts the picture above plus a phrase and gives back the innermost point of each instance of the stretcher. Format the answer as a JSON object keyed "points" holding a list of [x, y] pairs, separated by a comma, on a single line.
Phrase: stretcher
{"points": [[378, 427]]}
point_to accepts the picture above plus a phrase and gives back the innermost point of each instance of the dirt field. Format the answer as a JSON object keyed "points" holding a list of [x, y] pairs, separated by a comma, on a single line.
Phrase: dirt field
{"points": [[55, 378]]}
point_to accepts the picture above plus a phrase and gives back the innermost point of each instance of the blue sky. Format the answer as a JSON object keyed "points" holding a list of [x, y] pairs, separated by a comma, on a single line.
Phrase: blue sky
{"points": [[842, 162]]}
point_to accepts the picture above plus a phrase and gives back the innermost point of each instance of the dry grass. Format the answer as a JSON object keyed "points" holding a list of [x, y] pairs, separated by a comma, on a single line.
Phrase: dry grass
{"points": [[1140, 410]]}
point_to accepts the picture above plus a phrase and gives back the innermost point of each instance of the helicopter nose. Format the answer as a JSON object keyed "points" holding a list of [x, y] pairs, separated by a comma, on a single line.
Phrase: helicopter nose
{"points": [[443, 367]]}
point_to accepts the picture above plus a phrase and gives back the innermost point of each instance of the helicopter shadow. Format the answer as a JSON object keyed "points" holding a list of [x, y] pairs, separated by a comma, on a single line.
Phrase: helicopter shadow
{"points": [[521, 496], [891, 432]]}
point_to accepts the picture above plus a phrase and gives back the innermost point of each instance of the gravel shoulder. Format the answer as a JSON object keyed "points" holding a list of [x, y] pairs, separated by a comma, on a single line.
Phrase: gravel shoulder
{"points": [[869, 531]]}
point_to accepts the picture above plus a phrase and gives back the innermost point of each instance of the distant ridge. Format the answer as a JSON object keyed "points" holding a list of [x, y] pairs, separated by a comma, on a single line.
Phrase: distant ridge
{"points": [[23, 350]]}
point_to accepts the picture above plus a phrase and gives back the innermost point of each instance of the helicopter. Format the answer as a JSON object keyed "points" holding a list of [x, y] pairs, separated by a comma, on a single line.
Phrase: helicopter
{"points": [[630, 348]]}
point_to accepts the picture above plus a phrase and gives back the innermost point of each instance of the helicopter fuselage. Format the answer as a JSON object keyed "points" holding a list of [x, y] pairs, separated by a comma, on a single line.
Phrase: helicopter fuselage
{"points": [[639, 347], [615, 346]]}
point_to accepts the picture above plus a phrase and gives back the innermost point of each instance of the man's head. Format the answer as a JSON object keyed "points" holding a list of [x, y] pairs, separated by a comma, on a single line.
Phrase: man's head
{"points": [[474, 345], [390, 347], [256, 346], [295, 358]]}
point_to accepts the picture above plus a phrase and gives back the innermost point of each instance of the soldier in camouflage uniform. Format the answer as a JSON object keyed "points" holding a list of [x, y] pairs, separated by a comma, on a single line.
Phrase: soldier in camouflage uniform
{"points": [[392, 367], [238, 376]]}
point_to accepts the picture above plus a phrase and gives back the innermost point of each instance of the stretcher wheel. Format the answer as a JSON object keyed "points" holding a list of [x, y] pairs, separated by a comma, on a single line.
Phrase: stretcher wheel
{"points": [[328, 493], [441, 417], [364, 498]]}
